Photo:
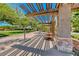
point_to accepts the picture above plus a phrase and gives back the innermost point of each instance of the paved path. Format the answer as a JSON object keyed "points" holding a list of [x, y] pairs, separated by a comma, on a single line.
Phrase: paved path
{"points": [[37, 46], [19, 36]]}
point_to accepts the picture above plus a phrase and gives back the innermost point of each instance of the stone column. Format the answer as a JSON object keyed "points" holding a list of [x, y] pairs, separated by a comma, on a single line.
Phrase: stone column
{"points": [[64, 28]]}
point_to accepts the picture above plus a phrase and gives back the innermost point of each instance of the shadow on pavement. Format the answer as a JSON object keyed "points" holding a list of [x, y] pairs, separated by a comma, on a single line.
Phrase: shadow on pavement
{"points": [[49, 52]]}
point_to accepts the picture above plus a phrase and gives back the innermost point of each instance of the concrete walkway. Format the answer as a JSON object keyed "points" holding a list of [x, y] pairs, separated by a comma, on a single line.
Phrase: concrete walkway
{"points": [[37, 46], [18, 36]]}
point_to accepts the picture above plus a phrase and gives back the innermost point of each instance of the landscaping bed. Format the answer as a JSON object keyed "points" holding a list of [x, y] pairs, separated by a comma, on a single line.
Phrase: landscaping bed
{"points": [[7, 33]]}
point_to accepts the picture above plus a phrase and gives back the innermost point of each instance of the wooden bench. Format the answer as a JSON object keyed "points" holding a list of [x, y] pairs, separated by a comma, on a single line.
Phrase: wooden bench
{"points": [[49, 36]]}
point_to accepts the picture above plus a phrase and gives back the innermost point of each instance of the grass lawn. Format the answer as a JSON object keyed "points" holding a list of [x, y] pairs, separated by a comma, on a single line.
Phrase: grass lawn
{"points": [[7, 33]]}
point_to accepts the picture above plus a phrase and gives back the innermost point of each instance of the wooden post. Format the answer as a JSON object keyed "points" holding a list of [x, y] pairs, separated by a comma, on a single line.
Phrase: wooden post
{"points": [[53, 25], [51, 34]]}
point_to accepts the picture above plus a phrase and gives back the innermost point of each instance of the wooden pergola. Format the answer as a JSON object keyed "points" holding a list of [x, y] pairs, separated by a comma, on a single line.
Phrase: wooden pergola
{"points": [[61, 11]]}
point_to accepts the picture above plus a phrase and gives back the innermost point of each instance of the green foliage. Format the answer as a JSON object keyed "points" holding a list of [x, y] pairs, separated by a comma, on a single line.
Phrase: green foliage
{"points": [[75, 20], [76, 36], [34, 24], [24, 22], [7, 14], [43, 27]]}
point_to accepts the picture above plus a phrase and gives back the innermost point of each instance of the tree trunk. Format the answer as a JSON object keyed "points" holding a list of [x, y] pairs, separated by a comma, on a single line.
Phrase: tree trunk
{"points": [[24, 34]]}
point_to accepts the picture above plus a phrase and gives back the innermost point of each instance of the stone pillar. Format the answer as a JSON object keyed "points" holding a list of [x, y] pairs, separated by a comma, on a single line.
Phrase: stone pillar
{"points": [[64, 28]]}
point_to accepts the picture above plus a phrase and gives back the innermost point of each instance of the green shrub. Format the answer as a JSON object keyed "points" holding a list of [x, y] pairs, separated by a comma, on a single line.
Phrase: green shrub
{"points": [[76, 36]]}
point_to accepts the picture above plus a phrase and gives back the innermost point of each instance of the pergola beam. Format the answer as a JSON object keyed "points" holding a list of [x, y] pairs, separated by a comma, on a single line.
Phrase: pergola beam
{"points": [[50, 11], [48, 6], [43, 13], [24, 8]]}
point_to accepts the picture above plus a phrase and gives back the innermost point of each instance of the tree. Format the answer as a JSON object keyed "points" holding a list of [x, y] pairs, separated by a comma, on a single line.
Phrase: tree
{"points": [[34, 24], [22, 24], [7, 14]]}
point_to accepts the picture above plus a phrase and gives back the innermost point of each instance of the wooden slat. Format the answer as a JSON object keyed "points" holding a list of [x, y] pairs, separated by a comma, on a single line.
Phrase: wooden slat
{"points": [[57, 5], [31, 7], [40, 17], [36, 19], [24, 8], [43, 13], [39, 6], [48, 18], [48, 6]]}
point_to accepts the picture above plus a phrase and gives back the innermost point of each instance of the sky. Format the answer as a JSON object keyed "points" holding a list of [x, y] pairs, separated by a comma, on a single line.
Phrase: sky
{"points": [[2, 23]]}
